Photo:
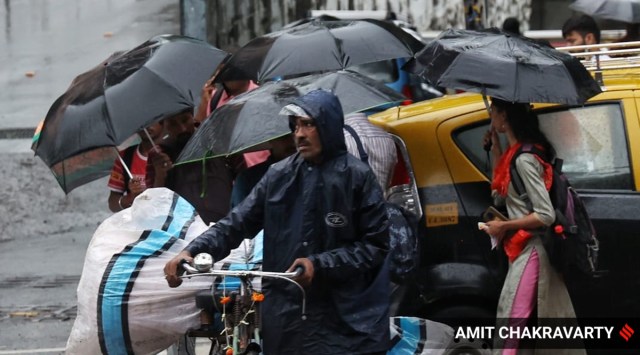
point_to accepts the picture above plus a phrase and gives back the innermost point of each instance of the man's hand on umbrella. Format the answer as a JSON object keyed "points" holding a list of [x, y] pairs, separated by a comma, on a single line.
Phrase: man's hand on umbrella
{"points": [[161, 163], [136, 187], [308, 271], [173, 268], [207, 90], [492, 141]]}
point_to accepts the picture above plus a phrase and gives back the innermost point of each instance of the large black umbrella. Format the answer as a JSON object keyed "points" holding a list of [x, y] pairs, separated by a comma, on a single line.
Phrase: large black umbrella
{"points": [[504, 65], [106, 105], [619, 10], [319, 46], [251, 119]]}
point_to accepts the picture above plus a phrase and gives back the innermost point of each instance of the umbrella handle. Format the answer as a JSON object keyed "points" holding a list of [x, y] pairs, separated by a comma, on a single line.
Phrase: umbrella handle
{"points": [[126, 168], [486, 101], [153, 144]]}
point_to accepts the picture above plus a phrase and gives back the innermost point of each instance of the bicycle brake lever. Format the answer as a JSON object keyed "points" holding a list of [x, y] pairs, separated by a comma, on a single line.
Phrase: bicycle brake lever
{"points": [[184, 266]]}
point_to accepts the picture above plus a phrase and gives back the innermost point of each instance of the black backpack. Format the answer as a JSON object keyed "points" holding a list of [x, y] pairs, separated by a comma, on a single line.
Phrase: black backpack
{"points": [[570, 241], [404, 251]]}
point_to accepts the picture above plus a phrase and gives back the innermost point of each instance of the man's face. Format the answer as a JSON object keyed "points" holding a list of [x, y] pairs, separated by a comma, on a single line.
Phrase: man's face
{"points": [[154, 130], [180, 127], [307, 139], [574, 38]]}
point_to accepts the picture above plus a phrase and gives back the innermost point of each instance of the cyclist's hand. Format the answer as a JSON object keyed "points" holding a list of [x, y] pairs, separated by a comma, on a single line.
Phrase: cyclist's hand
{"points": [[307, 274], [173, 269]]}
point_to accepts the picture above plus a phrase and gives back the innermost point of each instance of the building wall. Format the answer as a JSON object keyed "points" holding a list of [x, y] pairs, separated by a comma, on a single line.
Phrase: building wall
{"points": [[235, 22]]}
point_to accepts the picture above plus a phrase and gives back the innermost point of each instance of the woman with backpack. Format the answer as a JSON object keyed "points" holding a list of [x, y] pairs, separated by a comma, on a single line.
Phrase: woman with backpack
{"points": [[531, 284]]}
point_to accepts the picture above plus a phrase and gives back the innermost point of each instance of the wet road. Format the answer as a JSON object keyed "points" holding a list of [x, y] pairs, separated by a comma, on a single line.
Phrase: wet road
{"points": [[57, 39], [43, 233]]}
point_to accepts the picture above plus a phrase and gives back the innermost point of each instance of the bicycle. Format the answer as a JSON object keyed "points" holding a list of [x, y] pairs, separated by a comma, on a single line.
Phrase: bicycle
{"points": [[238, 308]]}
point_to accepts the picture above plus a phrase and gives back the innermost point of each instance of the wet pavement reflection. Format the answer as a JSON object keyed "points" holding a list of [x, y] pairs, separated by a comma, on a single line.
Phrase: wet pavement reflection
{"points": [[44, 44]]}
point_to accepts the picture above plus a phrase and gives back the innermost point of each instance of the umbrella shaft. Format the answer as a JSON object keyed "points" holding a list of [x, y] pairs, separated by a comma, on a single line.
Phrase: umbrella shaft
{"points": [[124, 165]]}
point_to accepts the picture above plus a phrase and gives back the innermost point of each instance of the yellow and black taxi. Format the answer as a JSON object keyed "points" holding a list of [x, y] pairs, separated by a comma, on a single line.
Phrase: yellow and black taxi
{"points": [[448, 183]]}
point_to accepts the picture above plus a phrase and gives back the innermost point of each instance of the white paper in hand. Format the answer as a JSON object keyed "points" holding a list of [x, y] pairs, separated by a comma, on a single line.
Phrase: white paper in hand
{"points": [[494, 241]]}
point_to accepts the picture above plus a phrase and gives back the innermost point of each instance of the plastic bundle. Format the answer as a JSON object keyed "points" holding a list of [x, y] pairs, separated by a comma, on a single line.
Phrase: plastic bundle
{"points": [[124, 302]]}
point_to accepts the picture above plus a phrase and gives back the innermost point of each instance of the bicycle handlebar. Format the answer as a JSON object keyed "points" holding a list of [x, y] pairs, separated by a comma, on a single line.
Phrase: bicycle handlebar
{"points": [[192, 271], [287, 276]]}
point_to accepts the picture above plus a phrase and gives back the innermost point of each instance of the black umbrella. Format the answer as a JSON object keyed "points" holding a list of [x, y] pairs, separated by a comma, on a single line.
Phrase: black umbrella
{"points": [[503, 65], [251, 119], [619, 10], [319, 46], [106, 105]]}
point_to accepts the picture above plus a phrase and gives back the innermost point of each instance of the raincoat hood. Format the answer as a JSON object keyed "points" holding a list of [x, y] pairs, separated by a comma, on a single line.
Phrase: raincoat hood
{"points": [[325, 109]]}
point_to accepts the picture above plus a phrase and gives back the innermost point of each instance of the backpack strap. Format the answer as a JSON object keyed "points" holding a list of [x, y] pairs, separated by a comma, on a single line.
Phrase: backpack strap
{"points": [[516, 179], [127, 158], [363, 154]]}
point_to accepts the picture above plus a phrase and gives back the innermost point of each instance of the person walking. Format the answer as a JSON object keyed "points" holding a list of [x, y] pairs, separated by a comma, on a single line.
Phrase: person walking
{"points": [[321, 209], [531, 283]]}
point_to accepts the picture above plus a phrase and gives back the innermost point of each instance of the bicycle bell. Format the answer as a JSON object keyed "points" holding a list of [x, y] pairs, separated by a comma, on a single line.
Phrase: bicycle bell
{"points": [[203, 262]]}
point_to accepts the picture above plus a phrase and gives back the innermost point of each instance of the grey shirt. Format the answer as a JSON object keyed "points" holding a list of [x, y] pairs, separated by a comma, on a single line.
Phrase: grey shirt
{"points": [[531, 172], [377, 143]]}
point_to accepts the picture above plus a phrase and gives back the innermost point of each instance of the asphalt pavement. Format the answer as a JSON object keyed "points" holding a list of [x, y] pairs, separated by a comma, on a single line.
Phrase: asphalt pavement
{"points": [[43, 232], [45, 44]]}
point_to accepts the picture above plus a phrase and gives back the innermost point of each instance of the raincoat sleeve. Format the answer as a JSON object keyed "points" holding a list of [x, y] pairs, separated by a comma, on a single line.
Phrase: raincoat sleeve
{"points": [[371, 242], [244, 221]]}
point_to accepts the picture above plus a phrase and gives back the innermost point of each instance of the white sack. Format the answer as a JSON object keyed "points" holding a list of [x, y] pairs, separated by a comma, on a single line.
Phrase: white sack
{"points": [[124, 302]]}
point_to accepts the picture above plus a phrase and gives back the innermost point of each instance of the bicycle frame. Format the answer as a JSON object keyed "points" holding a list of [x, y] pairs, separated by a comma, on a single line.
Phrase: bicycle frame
{"points": [[241, 330]]}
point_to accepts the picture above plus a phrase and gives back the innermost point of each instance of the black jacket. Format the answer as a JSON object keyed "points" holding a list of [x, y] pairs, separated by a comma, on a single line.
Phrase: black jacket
{"points": [[332, 213]]}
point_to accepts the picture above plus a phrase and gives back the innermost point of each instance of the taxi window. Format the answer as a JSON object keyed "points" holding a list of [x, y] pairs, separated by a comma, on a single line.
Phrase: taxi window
{"points": [[591, 140], [593, 144]]}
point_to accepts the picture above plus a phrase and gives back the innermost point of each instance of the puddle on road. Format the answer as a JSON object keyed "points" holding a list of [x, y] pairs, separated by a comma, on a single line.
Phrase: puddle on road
{"points": [[39, 281], [39, 313]]}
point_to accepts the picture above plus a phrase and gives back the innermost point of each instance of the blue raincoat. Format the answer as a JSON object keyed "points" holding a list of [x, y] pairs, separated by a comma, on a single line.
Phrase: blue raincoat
{"points": [[332, 213]]}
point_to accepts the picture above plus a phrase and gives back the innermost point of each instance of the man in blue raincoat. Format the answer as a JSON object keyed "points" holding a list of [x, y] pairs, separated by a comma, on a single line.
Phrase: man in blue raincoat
{"points": [[322, 209]]}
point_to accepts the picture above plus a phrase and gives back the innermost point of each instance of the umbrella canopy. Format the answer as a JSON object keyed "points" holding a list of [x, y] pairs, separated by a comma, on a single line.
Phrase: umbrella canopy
{"points": [[319, 46], [620, 10], [251, 119], [504, 65], [109, 103]]}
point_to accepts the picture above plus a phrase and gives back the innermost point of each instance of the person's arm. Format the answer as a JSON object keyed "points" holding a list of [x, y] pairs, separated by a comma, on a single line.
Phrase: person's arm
{"points": [[114, 198], [160, 164], [543, 214], [372, 241], [116, 185], [244, 221], [205, 98]]}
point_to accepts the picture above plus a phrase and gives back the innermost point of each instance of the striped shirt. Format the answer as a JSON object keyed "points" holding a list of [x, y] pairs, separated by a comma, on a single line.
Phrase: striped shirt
{"points": [[138, 168], [377, 143]]}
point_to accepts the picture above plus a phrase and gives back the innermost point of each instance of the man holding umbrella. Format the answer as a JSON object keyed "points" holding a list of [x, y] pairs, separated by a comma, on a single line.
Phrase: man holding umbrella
{"points": [[207, 186], [321, 209], [125, 188]]}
